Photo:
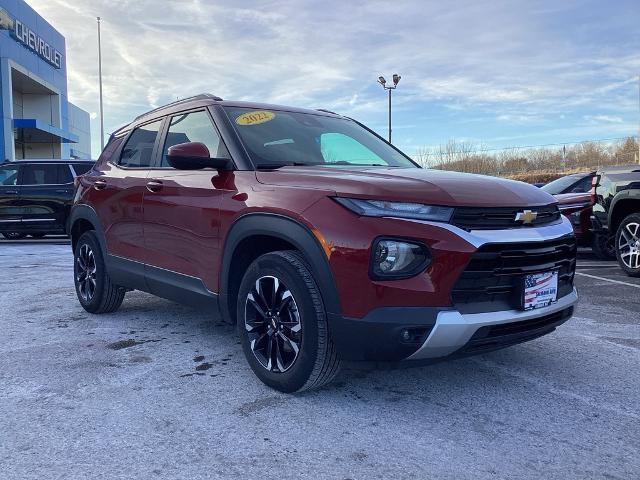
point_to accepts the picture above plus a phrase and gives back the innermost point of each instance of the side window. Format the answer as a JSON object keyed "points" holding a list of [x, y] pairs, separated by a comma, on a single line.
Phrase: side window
{"points": [[339, 148], [9, 176], [193, 127], [40, 174], [64, 174], [82, 168], [138, 150]]}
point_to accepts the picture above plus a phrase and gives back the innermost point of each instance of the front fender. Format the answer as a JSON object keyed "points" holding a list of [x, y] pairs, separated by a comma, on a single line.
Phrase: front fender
{"points": [[291, 231]]}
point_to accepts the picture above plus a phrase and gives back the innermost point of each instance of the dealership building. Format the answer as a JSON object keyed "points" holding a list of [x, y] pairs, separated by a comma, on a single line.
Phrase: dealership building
{"points": [[36, 118]]}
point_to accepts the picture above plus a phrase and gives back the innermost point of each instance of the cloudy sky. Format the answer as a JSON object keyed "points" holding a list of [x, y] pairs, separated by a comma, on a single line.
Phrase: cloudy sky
{"points": [[498, 73]]}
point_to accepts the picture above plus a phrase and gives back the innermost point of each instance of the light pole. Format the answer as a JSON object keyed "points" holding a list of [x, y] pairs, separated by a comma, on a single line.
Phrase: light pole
{"points": [[100, 82], [383, 82]]}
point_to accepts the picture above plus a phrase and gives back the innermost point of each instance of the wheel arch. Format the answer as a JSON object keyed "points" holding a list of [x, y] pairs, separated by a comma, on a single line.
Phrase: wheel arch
{"points": [[255, 234], [84, 218], [625, 203]]}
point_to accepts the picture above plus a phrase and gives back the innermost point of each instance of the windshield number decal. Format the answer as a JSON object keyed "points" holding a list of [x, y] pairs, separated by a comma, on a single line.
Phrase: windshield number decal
{"points": [[255, 118]]}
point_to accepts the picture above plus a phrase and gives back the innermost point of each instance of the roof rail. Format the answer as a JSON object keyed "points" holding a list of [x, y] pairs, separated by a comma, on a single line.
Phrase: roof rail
{"points": [[202, 96], [325, 111]]}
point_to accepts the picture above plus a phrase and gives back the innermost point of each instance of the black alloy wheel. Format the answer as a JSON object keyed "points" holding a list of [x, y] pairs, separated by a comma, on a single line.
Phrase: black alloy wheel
{"points": [[272, 321], [86, 273]]}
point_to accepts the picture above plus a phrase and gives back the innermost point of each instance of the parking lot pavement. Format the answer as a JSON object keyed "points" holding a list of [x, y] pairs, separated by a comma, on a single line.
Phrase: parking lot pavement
{"points": [[158, 390]]}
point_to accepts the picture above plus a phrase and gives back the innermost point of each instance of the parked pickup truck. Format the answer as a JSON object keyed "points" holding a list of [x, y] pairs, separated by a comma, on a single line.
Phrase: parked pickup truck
{"points": [[318, 239], [616, 214]]}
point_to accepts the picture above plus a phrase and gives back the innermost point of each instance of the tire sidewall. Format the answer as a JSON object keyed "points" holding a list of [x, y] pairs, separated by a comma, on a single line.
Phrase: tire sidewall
{"points": [[89, 238], [279, 267], [633, 218]]}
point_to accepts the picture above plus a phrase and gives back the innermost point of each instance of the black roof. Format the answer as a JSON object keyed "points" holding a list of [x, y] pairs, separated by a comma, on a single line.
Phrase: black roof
{"points": [[210, 99]]}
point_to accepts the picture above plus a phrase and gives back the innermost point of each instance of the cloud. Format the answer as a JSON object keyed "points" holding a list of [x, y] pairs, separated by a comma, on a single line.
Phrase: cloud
{"points": [[523, 63], [603, 119]]}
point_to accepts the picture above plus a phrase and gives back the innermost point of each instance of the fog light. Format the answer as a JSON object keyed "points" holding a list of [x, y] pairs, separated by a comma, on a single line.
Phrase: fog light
{"points": [[398, 259], [406, 336]]}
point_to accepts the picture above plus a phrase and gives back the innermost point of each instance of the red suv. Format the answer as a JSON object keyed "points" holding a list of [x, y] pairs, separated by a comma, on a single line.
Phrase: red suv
{"points": [[319, 239]]}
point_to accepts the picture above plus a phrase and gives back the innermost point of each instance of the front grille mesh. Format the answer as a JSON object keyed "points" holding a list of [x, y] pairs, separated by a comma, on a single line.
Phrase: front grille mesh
{"points": [[492, 281], [474, 218]]}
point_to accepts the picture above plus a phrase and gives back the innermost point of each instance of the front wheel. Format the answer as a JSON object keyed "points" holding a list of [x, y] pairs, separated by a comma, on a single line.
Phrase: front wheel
{"points": [[628, 245], [282, 324], [95, 291]]}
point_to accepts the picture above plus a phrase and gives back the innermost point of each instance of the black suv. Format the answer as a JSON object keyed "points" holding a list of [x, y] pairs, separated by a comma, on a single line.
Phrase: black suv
{"points": [[36, 196], [616, 214]]}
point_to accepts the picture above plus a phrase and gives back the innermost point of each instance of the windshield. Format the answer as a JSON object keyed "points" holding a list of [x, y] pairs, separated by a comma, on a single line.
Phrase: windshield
{"points": [[275, 138], [560, 185]]}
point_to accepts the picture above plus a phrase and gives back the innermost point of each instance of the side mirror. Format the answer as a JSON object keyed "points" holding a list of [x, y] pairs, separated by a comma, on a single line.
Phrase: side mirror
{"points": [[195, 156]]}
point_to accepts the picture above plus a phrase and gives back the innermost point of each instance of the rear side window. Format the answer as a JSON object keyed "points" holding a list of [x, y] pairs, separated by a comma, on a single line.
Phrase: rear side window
{"points": [[138, 150], [82, 168], [40, 174], [64, 174], [193, 127], [9, 176]]}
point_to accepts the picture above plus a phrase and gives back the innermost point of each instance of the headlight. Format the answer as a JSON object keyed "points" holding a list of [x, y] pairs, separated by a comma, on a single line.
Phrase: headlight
{"points": [[381, 208], [394, 259]]}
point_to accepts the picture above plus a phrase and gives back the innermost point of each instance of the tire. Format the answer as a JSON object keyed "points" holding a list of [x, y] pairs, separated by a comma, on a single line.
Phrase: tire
{"points": [[13, 235], [628, 245], [308, 359], [94, 289], [603, 246]]}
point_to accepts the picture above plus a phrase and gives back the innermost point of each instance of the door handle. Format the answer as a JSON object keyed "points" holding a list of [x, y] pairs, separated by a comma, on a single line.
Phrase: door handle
{"points": [[63, 190], [11, 192], [99, 184], [154, 185]]}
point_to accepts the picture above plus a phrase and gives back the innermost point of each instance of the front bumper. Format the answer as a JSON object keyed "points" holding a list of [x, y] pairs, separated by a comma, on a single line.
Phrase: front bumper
{"points": [[453, 331], [433, 332], [436, 333]]}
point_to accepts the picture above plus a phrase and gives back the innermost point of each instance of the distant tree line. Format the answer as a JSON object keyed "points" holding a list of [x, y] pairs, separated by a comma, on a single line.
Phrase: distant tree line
{"points": [[530, 164]]}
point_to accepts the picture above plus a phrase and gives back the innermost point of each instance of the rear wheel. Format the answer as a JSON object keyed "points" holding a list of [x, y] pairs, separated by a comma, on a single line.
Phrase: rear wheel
{"points": [[604, 246], [628, 245], [13, 235], [282, 324], [95, 291]]}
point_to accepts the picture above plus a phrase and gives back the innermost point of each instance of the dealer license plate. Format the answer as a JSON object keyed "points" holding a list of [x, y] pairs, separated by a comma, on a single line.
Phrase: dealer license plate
{"points": [[540, 290]]}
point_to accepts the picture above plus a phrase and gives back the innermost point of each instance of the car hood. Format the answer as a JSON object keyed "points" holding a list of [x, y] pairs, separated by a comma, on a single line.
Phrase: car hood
{"points": [[435, 187]]}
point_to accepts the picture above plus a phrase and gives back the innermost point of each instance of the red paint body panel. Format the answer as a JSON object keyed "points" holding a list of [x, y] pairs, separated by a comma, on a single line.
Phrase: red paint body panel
{"points": [[567, 203], [434, 187], [351, 249], [119, 207]]}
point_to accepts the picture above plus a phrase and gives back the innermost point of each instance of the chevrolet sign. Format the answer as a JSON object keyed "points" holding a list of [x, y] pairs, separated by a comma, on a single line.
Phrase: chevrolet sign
{"points": [[27, 37]]}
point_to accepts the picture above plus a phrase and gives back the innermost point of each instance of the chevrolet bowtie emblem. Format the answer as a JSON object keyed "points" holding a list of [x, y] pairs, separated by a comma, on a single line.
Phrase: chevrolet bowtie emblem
{"points": [[526, 217]]}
